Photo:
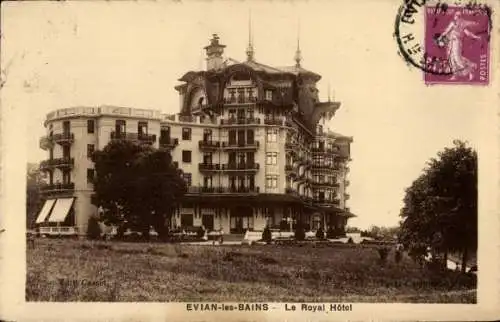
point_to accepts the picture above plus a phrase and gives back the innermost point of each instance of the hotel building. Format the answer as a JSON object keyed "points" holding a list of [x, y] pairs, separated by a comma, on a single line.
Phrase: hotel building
{"points": [[252, 140]]}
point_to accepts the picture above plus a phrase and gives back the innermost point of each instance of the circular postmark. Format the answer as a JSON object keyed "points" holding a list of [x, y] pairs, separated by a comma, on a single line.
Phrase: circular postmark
{"points": [[444, 40]]}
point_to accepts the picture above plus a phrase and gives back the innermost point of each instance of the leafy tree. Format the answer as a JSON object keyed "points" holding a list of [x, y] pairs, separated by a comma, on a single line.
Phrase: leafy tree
{"points": [[35, 180], [440, 207], [136, 186]]}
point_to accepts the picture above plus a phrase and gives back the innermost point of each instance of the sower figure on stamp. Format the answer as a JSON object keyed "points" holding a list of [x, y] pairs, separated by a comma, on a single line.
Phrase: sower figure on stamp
{"points": [[452, 39]]}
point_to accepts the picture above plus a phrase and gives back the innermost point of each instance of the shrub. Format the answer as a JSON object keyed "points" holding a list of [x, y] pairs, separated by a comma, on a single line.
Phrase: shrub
{"points": [[320, 234], [300, 233], [330, 233], [93, 228], [397, 256], [200, 233], [267, 236], [383, 253]]}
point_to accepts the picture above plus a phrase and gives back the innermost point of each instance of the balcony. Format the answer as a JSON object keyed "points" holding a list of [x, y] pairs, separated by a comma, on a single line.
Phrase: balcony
{"points": [[58, 188], [241, 166], [323, 166], [136, 137], [327, 202], [219, 190], [347, 183], [347, 196], [208, 167], [59, 231], [240, 121], [208, 145], [240, 100], [325, 184], [290, 146], [62, 163], [168, 143], [273, 121], [240, 145], [63, 138], [289, 167]]}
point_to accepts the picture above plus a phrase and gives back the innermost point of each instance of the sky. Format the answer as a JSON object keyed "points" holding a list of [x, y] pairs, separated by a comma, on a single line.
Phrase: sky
{"points": [[63, 54]]}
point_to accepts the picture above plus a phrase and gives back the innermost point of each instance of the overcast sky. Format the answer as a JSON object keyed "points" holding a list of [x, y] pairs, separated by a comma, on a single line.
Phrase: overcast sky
{"points": [[62, 54]]}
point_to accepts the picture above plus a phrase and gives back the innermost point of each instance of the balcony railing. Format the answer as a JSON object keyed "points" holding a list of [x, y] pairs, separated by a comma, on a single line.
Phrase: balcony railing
{"points": [[347, 183], [141, 137], [324, 183], [168, 143], [323, 166], [208, 167], [273, 121], [58, 187], [240, 166], [240, 145], [347, 196], [289, 167], [240, 121], [208, 144], [218, 190], [240, 100], [56, 231], [57, 163], [63, 138], [290, 145], [325, 201]]}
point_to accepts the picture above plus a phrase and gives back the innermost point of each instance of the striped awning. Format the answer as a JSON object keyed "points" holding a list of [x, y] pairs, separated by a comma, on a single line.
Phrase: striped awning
{"points": [[61, 209], [45, 212]]}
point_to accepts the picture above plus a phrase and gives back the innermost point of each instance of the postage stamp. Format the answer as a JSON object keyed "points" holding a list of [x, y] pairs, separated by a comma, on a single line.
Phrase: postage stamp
{"points": [[450, 44]]}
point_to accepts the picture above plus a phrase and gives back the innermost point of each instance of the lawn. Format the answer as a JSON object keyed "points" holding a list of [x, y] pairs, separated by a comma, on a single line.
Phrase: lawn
{"points": [[73, 270]]}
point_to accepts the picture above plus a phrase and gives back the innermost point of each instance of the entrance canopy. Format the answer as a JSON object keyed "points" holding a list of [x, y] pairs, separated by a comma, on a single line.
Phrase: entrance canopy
{"points": [[44, 213], [61, 209]]}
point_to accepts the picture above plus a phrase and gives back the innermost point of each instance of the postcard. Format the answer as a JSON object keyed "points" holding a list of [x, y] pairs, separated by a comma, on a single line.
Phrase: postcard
{"points": [[249, 160]]}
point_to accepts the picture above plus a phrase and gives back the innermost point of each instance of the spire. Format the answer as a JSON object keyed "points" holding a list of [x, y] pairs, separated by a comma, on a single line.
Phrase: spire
{"points": [[298, 54], [250, 50]]}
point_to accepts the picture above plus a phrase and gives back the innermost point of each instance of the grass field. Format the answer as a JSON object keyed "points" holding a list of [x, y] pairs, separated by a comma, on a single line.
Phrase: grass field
{"points": [[72, 270]]}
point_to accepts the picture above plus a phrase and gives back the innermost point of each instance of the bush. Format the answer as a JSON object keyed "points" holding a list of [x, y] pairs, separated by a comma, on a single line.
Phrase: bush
{"points": [[93, 228], [200, 233], [330, 233], [300, 233], [267, 236], [383, 253], [320, 234]]}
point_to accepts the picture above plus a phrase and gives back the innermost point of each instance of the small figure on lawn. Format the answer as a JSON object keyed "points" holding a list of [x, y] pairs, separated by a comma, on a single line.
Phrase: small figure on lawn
{"points": [[398, 255]]}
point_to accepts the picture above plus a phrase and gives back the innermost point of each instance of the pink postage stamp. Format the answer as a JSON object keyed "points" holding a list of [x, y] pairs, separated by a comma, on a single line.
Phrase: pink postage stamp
{"points": [[449, 43], [457, 38]]}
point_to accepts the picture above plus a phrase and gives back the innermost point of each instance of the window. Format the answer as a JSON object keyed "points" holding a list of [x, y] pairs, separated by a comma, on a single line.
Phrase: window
{"points": [[272, 158], [187, 178], [271, 181], [90, 126], [142, 128], [120, 126], [90, 175], [269, 95], [186, 220], [67, 177], [186, 133], [207, 182], [250, 136], [272, 135], [207, 158], [186, 156], [207, 135], [66, 126], [232, 137], [90, 150]]}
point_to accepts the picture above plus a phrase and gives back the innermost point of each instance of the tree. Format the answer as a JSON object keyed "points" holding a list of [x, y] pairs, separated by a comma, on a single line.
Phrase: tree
{"points": [[34, 199], [136, 186], [440, 207]]}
